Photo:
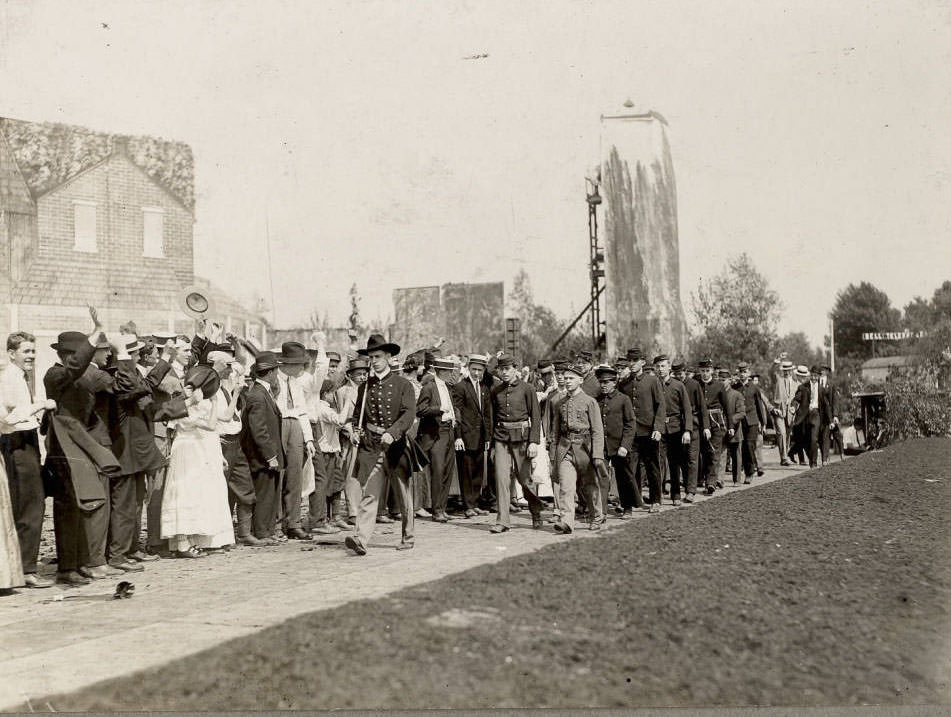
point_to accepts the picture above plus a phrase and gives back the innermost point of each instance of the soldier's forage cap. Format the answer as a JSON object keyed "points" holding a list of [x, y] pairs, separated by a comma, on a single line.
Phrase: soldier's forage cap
{"points": [[635, 354], [802, 372], [575, 369], [705, 363], [478, 360], [659, 358], [560, 364], [786, 366], [622, 361], [361, 363], [605, 371], [723, 373], [545, 366], [506, 360], [742, 366], [333, 356], [679, 366], [584, 356]]}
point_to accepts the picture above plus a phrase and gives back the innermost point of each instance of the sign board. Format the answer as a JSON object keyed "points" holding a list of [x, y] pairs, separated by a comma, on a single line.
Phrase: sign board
{"points": [[892, 335]]}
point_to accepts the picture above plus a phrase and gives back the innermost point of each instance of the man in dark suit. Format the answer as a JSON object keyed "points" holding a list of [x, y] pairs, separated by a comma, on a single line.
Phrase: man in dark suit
{"points": [[384, 412], [680, 430], [754, 423], [472, 401], [812, 408], [261, 442], [650, 410], [735, 409], [701, 422], [617, 416], [830, 420], [436, 433], [711, 445]]}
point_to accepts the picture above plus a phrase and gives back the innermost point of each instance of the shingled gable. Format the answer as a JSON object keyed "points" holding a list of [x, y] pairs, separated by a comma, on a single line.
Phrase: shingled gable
{"points": [[49, 154]]}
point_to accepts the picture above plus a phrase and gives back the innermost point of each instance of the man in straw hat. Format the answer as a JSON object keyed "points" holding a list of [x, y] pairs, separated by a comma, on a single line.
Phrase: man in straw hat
{"points": [[384, 412], [784, 391]]}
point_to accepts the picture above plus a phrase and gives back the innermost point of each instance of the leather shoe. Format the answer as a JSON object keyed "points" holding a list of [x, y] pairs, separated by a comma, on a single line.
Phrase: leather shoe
{"points": [[747, 481], [325, 529], [423, 513], [384, 519], [498, 528], [249, 540], [406, 545], [711, 490], [595, 526], [127, 566], [140, 557], [688, 498], [356, 545], [32, 580], [341, 523], [471, 513], [297, 534], [441, 518], [71, 577], [98, 572], [537, 522], [784, 463]]}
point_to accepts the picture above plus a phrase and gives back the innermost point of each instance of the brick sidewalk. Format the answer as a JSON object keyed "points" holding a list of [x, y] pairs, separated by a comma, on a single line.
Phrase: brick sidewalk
{"points": [[181, 607]]}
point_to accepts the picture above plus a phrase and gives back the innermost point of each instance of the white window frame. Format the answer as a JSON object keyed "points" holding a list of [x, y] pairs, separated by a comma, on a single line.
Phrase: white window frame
{"points": [[153, 251], [84, 244]]}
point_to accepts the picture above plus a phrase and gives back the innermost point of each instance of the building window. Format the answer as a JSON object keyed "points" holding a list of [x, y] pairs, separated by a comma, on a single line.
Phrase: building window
{"points": [[153, 223], [84, 226]]}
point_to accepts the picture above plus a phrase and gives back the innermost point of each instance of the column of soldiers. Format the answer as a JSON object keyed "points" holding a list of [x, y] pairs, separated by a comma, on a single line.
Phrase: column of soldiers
{"points": [[361, 440]]}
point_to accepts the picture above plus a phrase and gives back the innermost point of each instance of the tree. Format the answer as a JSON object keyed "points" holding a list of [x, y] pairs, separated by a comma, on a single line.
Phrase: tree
{"points": [[800, 351], [737, 315], [860, 309], [540, 327], [921, 315]]}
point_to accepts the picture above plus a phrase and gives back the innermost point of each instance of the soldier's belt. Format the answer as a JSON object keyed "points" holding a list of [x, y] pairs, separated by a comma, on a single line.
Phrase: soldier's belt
{"points": [[515, 424], [375, 429]]}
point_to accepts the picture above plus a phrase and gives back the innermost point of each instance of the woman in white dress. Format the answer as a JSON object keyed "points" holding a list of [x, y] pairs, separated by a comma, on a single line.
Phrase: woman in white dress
{"points": [[195, 512]]}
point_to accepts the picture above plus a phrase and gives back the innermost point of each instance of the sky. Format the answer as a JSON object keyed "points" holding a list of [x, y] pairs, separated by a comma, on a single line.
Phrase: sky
{"points": [[342, 142]]}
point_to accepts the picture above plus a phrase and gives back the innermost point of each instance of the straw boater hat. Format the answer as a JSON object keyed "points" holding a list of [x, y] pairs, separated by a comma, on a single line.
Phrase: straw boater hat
{"points": [[786, 366], [442, 364], [802, 372], [376, 342], [133, 345]]}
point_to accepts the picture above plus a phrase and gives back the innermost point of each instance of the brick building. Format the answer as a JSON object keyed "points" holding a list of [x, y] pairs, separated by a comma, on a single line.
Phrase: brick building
{"points": [[102, 219]]}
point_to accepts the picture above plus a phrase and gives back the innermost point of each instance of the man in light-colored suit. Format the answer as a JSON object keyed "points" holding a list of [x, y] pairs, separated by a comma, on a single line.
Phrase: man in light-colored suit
{"points": [[784, 391]]}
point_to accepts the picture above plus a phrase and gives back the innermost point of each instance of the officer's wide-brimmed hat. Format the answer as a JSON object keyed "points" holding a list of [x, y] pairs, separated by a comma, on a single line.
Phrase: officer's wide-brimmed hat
{"points": [[265, 361], [293, 352], [203, 378], [69, 341], [357, 364], [478, 360], [605, 371], [786, 366], [376, 342], [802, 372]]}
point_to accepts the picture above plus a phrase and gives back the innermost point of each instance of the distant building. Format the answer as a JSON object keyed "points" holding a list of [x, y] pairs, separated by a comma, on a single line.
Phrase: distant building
{"points": [[469, 316], [876, 370], [102, 219]]}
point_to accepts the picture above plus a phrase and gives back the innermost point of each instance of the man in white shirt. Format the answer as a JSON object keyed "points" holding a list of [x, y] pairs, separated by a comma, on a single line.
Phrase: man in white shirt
{"points": [[297, 434], [20, 447]]}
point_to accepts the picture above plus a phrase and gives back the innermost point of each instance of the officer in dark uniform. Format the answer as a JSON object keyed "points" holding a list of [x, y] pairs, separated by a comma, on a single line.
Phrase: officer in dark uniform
{"points": [[755, 420], [617, 416], [679, 426], [650, 409]]}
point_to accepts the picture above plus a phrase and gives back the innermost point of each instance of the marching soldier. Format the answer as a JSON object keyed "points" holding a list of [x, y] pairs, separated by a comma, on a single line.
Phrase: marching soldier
{"points": [[701, 422], [679, 425], [516, 437], [589, 383], [617, 416], [711, 444], [650, 409], [578, 439], [753, 424], [735, 418]]}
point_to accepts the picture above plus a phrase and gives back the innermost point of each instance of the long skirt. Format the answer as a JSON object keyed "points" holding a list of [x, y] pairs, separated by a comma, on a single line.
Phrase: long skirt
{"points": [[11, 570]]}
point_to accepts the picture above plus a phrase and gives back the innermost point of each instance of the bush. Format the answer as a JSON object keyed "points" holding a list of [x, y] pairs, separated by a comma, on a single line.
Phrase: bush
{"points": [[915, 407]]}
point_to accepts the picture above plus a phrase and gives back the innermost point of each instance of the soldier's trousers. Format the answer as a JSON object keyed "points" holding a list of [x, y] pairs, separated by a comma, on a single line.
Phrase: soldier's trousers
{"points": [[692, 456], [374, 491], [711, 451], [750, 436], [570, 471], [628, 493], [511, 457], [677, 462], [647, 457], [734, 450]]}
